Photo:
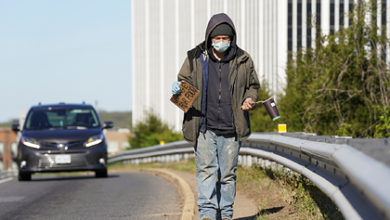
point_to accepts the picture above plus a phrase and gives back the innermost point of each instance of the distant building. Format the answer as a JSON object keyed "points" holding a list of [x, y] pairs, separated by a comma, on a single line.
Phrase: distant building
{"points": [[117, 140], [8, 149], [164, 30]]}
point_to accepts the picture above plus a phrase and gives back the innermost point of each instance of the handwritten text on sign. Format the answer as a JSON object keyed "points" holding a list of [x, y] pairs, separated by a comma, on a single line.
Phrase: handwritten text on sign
{"points": [[186, 97]]}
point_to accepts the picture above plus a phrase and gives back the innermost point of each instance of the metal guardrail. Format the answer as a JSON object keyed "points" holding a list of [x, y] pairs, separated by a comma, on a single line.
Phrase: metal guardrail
{"points": [[356, 183], [6, 174]]}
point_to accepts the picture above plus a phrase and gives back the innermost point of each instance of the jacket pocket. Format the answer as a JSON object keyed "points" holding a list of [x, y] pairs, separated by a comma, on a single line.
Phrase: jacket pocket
{"points": [[189, 125]]}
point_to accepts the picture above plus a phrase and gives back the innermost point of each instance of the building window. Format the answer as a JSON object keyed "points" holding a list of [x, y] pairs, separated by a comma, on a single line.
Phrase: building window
{"points": [[289, 31], [14, 148], [113, 146], [318, 19], [383, 12], [374, 14], [299, 21], [332, 16], [125, 145], [383, 27], [350, 11], [6, 150], [341, 13], [309, 24]]}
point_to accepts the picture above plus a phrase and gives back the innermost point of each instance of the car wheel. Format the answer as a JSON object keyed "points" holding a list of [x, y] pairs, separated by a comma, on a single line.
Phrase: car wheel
{"points": [[101, 173], [23, 176]]}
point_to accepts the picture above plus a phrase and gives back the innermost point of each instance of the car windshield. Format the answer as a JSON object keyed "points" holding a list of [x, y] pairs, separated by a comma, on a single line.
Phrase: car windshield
{"points": [[64, 118]]}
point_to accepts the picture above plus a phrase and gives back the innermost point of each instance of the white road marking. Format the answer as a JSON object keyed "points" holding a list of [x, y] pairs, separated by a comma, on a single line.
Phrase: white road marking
{"points": [[11, 198], [5, 180]]}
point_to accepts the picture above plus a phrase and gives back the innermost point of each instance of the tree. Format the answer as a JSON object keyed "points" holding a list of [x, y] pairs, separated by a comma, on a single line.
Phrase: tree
{"points": [[342, 87], [292, 104], [382, 129], [151, 132]]}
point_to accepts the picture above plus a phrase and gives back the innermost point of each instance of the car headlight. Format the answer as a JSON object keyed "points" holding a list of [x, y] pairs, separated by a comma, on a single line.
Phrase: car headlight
{"points": [[30, 142], [94, 140]]}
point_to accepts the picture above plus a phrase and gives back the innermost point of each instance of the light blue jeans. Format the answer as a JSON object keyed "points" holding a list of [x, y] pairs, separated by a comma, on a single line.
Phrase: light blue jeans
{"points": [[216, 161]]}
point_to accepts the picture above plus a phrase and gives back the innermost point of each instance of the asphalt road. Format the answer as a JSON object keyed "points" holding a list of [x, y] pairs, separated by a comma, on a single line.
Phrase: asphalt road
{"points": [[120, 196]]}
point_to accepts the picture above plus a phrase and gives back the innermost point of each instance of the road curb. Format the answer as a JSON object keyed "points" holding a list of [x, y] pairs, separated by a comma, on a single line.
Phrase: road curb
{"points": [[189, 197]]}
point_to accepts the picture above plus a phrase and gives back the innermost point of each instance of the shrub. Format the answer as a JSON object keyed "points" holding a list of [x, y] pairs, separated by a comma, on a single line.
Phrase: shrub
{"points": [[151, 132]]}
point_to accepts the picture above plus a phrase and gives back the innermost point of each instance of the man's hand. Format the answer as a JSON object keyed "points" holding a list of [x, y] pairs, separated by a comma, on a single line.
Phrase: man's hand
{"points": [[248, 104], [176, 88]]}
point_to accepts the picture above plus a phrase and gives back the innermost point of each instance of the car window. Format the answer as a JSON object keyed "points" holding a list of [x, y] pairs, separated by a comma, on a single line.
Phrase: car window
{"points": [[64, 118]]}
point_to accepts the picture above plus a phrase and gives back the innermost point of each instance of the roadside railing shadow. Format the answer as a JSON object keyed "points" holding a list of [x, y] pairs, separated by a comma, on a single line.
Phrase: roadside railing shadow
{"points": [[262, 212], [253, 217]]}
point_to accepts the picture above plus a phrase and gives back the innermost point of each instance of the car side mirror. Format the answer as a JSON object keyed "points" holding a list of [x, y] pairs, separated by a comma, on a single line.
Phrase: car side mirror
{"points": [[15, 126], [108, 124]]}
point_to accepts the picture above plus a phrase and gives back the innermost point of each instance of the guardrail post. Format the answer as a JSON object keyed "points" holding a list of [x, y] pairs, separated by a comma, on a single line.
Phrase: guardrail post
{"points": [[255, 160], [273, 166], [279, 167], [287, 171], [260, 162], [267, 164], [249, 161]]}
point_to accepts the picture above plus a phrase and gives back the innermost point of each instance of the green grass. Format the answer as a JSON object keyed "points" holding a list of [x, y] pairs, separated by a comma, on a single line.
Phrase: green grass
{"points": [[296, 192]]}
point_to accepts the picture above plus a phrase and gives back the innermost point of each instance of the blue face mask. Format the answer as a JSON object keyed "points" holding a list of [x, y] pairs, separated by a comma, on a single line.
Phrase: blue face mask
{"points": [[221, 46]]}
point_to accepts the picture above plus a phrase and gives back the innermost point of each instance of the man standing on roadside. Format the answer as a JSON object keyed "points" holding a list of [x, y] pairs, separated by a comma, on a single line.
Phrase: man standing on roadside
{"points": [[218, 120]]}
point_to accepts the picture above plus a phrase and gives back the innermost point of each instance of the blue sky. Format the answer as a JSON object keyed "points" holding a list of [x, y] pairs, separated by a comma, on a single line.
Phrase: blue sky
{"points": [[64, 51]]}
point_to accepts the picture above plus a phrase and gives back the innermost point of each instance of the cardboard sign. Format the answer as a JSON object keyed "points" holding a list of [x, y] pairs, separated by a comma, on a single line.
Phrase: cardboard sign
{"points": [[186, 97]]}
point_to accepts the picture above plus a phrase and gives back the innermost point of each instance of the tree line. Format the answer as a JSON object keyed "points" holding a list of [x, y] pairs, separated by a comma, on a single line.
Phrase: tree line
{"points": [[342, 86]]}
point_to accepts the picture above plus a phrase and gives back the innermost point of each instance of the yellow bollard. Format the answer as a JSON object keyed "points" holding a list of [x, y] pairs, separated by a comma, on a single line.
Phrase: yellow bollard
{"points": [[282, 128]]}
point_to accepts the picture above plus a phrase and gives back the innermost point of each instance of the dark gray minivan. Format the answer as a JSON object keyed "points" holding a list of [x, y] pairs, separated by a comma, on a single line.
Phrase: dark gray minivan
{"points": [[62, 137]]}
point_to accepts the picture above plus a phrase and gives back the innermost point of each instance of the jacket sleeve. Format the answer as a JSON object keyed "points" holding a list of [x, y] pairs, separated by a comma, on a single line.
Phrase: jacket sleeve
{"points": [[252, 83], [185, 73]]}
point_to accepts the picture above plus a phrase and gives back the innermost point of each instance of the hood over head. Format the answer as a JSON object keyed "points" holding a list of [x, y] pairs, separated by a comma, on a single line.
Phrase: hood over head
{"points": [[216, 20]]}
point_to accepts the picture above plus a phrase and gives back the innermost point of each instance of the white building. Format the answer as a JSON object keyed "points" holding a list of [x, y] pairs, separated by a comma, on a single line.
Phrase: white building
{"points": [[164, 30]]}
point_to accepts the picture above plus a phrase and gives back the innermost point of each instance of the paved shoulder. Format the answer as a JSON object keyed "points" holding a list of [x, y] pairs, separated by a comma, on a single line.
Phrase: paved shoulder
{"points": [[185, 190]]}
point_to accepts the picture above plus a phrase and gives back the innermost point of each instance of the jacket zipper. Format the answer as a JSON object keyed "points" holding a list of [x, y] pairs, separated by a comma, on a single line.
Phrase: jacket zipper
{"points": [[219, 90], [235, 94]]}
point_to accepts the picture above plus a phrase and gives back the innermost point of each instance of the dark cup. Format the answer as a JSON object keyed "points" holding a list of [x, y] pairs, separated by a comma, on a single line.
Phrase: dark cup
{"points": [[272, 110]]}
